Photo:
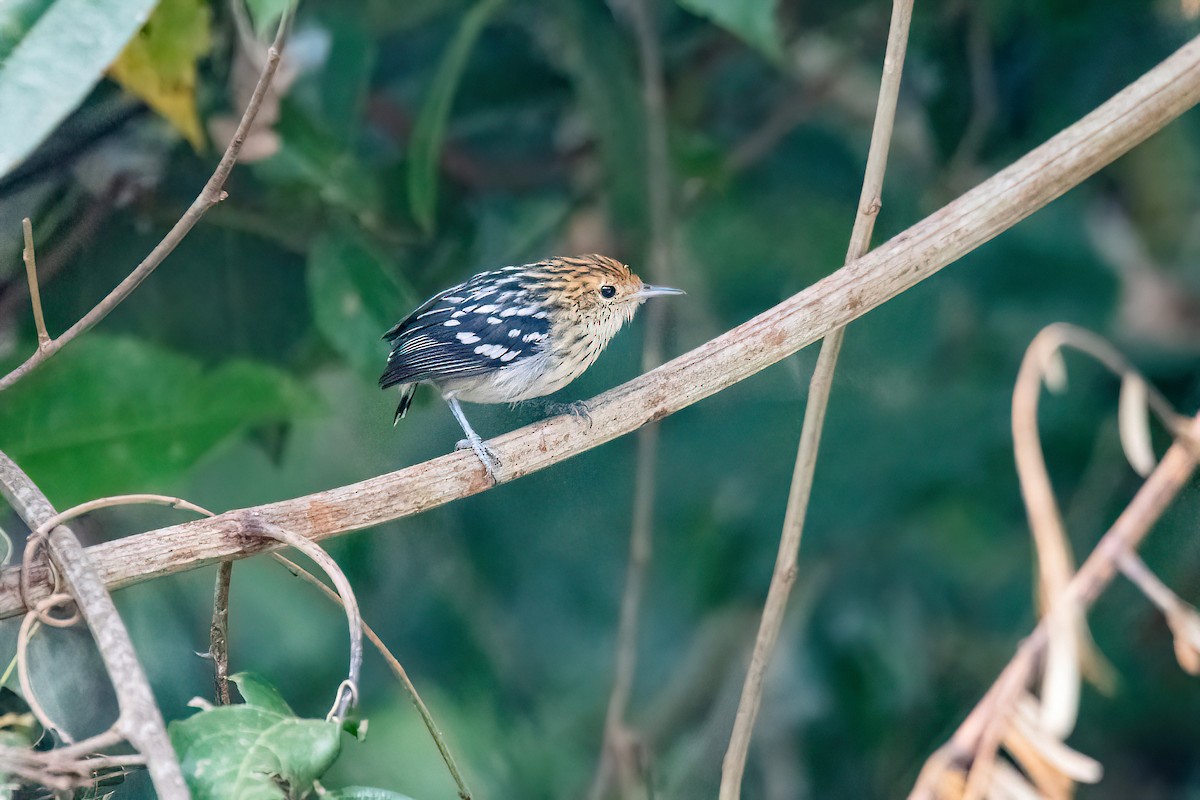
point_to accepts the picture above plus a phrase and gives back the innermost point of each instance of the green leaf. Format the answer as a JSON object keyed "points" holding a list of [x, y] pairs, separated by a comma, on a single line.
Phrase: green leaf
{"points": [[365, 793], [355, 298], [159, 65], [752, 21], [266, 13], [257, 692], [429, 131], [253, 753], [111, 415], [354, 726], [56, 63]]}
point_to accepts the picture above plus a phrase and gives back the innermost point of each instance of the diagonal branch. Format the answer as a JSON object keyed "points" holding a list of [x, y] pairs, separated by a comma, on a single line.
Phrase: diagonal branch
{"points": [[1130, 117], [784, 576], [140, 721], [212, 193]]}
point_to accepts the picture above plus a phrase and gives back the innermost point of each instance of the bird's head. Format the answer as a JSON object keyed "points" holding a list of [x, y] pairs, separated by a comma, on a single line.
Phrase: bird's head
{"points": [[596, 289]]}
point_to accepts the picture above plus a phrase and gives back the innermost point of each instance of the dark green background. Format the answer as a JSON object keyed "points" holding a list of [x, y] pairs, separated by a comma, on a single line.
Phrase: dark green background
{"points": [[244, 372]]}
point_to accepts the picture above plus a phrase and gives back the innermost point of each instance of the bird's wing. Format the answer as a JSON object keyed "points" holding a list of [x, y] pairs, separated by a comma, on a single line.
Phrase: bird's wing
{"points": [[430, 308], [459, 334]]}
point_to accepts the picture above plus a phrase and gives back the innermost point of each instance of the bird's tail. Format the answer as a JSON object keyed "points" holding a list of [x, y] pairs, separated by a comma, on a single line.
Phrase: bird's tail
{"points": [[407, 390]]}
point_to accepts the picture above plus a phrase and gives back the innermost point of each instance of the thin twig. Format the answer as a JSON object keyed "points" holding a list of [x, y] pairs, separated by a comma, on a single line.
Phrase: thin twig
{"points": [[29, 626], [615, 753], [784, 576], [347, 694], [90, 745], [397, 669], [140, 720], [56, 769], [1131, 527], [81, 232], [218, 646], [35, 296], [997, 204], [212, 193], [1133, 568]]}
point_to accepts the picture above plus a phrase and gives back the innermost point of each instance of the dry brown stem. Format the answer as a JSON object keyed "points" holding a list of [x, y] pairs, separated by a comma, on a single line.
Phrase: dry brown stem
{"points": [[397, 669], [66, 768], [140, 720], [212, 193], [1069, 645], [35, 296], [29, 627], [347, 694], [1182, 617], [784, 576], [980, 734], [218, 633], [1135, 113]]}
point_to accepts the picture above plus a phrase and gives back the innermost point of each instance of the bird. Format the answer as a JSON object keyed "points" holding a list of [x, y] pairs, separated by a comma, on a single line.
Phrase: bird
{"points": [[512, 334]]}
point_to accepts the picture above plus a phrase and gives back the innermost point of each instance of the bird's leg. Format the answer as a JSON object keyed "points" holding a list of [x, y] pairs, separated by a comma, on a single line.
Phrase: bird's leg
{"points": [[490, 462], [578, 409]]}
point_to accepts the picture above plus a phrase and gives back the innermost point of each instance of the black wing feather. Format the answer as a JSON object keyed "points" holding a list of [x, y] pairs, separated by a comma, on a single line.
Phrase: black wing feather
{"points": [[426, 348]]}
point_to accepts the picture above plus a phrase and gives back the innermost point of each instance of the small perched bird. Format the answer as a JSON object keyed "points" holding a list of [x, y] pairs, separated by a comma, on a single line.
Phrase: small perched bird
{"points": [[512, 334]]}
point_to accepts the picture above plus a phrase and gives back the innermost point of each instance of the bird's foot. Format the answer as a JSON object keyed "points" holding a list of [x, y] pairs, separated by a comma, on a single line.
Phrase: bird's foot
{"points": [[488, 457], [579, 409]]}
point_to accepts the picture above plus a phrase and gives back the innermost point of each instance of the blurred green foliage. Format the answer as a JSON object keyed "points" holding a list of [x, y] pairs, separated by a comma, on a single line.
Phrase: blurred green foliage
{"points": [[420, 142]]}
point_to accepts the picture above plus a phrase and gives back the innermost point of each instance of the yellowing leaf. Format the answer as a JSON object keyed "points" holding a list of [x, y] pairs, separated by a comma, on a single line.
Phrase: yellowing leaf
{"points": [[159, 64]]}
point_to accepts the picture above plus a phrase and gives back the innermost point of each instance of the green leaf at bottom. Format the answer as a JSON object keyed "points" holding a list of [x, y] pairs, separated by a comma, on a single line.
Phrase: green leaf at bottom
{"points": [[253, 753], [365, 793]]}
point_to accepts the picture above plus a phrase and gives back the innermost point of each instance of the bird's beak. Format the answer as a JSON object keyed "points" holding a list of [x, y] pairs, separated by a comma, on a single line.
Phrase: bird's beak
{"points": [[655, 291]]}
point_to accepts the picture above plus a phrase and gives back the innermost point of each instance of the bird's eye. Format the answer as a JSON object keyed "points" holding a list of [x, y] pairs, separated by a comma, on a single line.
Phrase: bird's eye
{"points": [[608, 291]]}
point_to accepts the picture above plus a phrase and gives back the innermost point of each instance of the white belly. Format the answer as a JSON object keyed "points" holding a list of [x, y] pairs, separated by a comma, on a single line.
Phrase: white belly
{"points": [[536, 376]]}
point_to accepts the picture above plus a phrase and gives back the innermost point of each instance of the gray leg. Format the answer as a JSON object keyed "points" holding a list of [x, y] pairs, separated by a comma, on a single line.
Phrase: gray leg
{"points": [[490, 462]]}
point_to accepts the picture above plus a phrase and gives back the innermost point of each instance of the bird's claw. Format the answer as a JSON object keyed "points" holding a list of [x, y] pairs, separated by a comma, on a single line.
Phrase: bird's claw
{"points": [[485, 454], [578, 409]]}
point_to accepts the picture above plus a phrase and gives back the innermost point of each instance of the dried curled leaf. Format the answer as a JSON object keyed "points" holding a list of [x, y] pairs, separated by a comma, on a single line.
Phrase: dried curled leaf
{"points": [[1009, 784], [1182, 617], [1133, 419], [1054, 371], [1062, 679], [1184, 622], [942, 778], [1045, 757]]}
